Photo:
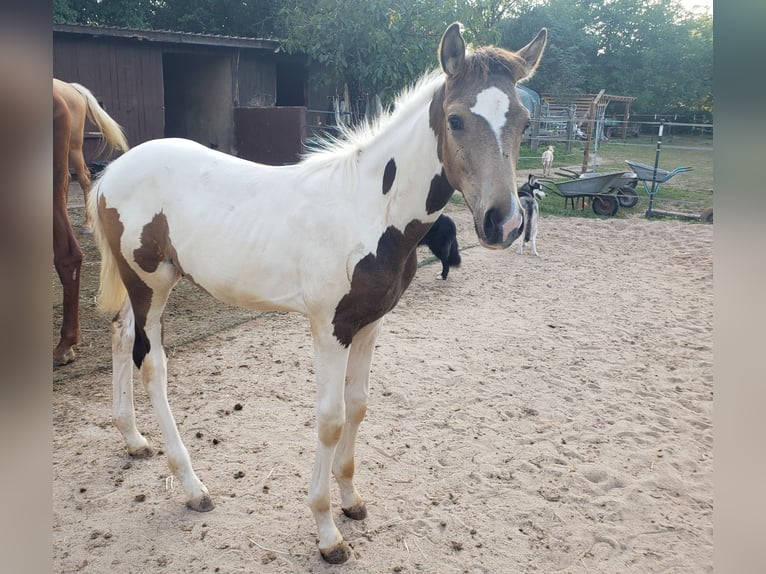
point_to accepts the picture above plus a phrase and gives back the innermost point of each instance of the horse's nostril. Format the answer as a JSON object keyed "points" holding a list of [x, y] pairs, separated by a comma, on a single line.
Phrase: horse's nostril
{"points": [[493, 228], [491, 220]]}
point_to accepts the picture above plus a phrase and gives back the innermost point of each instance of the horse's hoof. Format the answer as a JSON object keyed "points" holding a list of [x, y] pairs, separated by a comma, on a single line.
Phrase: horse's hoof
{"points": [[338, 554], [202, 504], [143, 452], [61, 358], [86, 229], [358, 512]]}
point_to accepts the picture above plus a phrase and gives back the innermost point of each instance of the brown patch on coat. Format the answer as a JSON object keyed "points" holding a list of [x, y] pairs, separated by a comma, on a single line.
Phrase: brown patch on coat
{"points": [[437, 122], [155, 242], [139, 292], [378, 281], [347, 470], [329, 434]]}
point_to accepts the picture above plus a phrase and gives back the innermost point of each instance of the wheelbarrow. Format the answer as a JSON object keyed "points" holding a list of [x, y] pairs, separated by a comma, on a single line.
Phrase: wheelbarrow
{"points": [[653, 178], [599, 188]]}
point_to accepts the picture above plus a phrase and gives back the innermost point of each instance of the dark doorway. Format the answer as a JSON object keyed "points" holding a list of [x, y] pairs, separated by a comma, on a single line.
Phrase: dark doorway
{"points": [[198, 100], [291, 83]]}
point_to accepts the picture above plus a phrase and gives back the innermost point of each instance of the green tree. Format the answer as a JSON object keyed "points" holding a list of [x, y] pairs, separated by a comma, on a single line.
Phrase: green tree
{"points": [[126, 13], [390, 45], [379, 46], [651, 49], [251, 18], [655, 51], [570, 52]]}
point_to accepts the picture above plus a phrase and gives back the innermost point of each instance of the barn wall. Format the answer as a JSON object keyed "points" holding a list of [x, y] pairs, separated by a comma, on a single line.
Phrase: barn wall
{"points": [[273, 136], [125, 77], [158, 84]]}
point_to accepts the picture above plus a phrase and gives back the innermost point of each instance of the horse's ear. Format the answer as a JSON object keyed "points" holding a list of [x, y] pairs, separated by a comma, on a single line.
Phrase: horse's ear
{"points": [[452, 50], [532, 52]]}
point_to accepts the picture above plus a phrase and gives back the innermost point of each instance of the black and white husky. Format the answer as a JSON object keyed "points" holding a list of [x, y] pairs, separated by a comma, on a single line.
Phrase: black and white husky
{"points": [[528, 194]]}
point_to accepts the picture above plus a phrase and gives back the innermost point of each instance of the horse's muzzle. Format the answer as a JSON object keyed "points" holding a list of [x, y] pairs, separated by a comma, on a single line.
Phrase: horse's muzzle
{"points": [[500, 231]]}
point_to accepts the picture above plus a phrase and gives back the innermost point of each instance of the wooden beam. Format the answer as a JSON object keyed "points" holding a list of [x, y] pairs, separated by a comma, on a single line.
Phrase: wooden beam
{"points": [[589, 132]]}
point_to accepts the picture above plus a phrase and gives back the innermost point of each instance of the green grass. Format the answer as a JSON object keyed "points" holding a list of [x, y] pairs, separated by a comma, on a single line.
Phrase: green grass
{"points": [[688, 192]]}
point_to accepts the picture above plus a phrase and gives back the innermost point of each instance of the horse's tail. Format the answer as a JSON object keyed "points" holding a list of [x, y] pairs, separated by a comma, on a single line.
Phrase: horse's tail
{"points": [[112, 131], [111, 290]]}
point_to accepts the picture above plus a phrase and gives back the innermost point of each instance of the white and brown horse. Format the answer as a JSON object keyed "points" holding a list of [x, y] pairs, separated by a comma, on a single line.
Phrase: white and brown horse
{"points": [[71, 104], [333, 237]]}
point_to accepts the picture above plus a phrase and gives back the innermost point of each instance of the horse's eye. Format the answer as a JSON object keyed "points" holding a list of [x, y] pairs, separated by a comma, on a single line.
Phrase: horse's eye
{"points": [[526, 127], [455, 122]]}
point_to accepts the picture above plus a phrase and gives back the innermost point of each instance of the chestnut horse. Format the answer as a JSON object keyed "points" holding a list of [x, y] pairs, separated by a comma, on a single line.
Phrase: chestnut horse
{"points": [[333, 237], [71, 104], [82, 103]]}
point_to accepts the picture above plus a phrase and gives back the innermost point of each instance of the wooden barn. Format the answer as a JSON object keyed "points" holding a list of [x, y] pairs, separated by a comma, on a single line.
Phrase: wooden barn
{"points": [[238, 95]]}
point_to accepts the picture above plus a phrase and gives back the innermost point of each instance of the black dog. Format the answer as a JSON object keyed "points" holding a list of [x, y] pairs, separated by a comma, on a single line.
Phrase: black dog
{"points": [[441, 239]]}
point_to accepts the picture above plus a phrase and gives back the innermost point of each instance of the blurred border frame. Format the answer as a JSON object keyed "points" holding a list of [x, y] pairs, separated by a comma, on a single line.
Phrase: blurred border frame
{"points": [[739, 258], [25, 285]]}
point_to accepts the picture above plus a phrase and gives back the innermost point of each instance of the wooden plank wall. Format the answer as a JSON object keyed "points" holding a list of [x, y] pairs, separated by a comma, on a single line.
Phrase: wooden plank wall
{"points": [[126, 78]]}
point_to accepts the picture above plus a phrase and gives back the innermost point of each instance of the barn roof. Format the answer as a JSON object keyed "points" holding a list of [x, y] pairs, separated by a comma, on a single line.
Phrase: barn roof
{"points": [[583, 102], [167, 36]]}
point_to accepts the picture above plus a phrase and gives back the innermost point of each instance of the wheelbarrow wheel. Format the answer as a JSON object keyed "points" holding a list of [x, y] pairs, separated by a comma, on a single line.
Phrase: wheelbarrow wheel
{"points": [[627, 196], [605, 205]]}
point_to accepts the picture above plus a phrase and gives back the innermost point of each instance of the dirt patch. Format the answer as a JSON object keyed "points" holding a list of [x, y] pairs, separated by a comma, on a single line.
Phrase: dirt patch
{"points": [[528, 415]]}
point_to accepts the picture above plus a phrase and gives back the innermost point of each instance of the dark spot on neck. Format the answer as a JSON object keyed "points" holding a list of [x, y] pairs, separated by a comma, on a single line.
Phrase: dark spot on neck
{"points": [[389, 174], [439, 193]]}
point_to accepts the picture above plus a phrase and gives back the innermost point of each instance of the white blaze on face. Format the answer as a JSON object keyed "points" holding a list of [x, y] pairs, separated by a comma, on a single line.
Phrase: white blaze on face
{"points": [[492, 104]]}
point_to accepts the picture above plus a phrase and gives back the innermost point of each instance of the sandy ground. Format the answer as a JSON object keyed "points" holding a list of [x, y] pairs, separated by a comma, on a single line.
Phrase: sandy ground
{"points": [[529, 414]]}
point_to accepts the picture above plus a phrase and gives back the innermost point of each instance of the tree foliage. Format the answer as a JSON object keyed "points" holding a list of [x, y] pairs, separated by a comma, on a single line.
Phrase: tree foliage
{"points": [[651, 49]]}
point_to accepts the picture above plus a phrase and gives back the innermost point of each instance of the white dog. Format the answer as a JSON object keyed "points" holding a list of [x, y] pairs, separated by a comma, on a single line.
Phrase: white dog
{"points": [[528, 194], [548, 161]]}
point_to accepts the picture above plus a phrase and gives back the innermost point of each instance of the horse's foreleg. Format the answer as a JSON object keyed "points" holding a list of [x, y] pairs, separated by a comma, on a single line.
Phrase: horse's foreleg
{"points": [[154, 375], [355, 396], [330, 364], [123, 411], [67, 258]]}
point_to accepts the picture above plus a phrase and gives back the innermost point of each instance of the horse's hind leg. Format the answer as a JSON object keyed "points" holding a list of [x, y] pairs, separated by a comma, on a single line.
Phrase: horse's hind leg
{"points": [[67, 255], [67, 258], [154, 374], [123, 411], [355, 396]]}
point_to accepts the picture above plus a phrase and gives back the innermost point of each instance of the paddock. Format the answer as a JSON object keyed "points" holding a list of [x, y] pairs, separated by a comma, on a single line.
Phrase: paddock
{"points": [[565, 427]]}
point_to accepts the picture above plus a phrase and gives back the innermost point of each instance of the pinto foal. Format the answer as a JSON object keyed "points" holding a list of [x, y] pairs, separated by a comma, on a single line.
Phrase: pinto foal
{"points": [[333, 237]]}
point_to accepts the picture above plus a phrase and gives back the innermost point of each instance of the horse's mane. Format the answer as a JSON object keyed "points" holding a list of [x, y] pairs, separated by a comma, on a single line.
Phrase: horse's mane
{"points": [[351, 140], [340, 151]]}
